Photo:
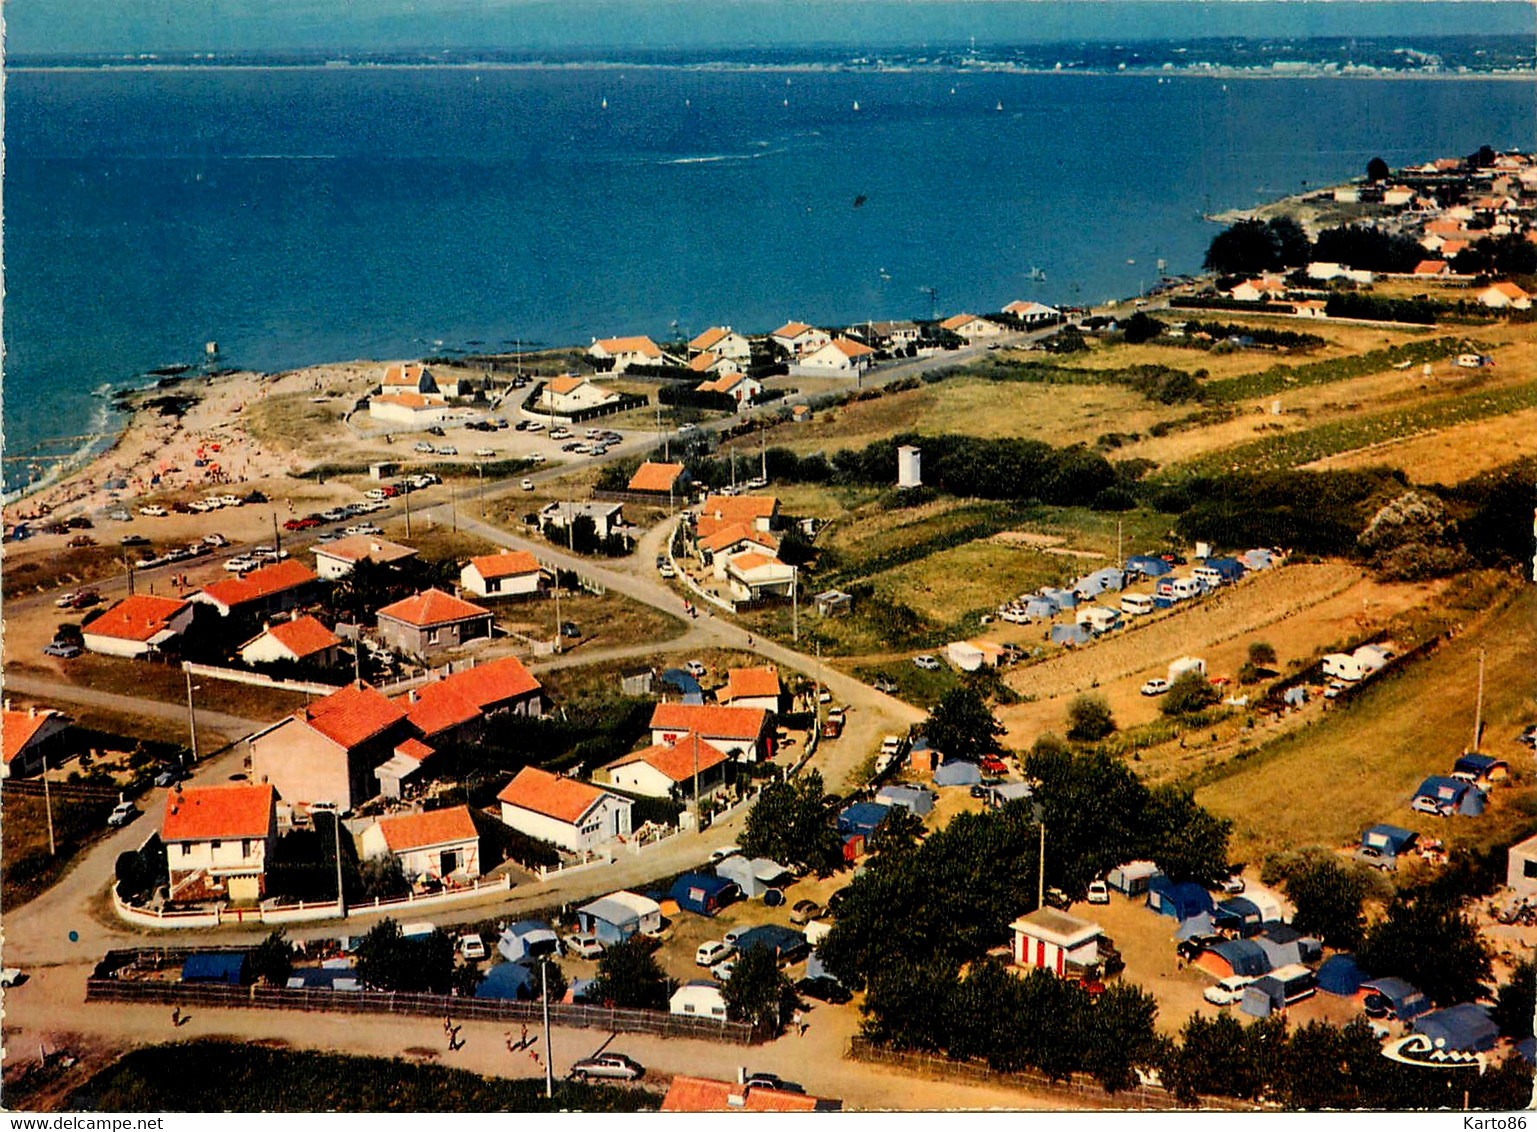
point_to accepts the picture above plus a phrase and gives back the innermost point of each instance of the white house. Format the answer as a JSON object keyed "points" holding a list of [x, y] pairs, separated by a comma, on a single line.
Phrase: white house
{"points": [[1050, 940], [1324, 271], [738, 386], [1505, 296], [217, 841], [606, 517], [1397, 195], [667, 770], [716, 548], [138, 625], [1259, 290], [712, 363], [410, 409], [413, 378], [799, 339], [637, 350], [894, 333], [752, 688], [741, 732], [698, 998], [717, 511], [442, 844], [751, 575], [971, 327], [571, 814], [839, 357], [1521, 868], [723, 342], [512, 573], [336, 559], [571, 393], [1032, 313], [300, 639]]}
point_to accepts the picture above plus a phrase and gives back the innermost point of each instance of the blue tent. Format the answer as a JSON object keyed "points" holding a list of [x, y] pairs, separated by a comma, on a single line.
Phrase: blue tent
{"points": [[1282, 945], [1389, 840], [815, 969], [1071, 635], [1040, 608], [1196, 925], [1239, 915], [782, 942], [215, 967], [1405, 1000], [916, 798], [683, 682], [1243, 956], [1262, 996], [1149, 566], [1178, 900], [1230, 568], [508, 981], [1340, 975], [957, 772], [702, 893], [1063, 599], [1447, 796], [527, 939], [862, 818], [1481, 767], [1464, 1027], [1527, 1049]]}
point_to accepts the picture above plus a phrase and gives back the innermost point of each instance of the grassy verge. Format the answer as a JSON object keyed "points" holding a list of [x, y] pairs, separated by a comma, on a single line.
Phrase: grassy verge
{"points": [[1279, 378], [215, 1076], [606, 621], [30, 869]]}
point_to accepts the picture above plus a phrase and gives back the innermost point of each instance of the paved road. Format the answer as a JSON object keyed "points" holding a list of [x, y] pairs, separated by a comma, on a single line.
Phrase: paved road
{"points": [[54, 689]]}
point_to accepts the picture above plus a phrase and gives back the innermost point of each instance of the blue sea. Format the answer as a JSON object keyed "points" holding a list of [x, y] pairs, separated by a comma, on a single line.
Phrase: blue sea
{"points": [[312, 214]]}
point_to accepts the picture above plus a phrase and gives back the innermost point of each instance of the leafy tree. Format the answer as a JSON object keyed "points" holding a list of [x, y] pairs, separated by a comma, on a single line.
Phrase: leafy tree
{"points": [[1377, 170], [1191, 692], [272, 960], [1329, 899], [1089, 718], [1251, 247], [899, 834], [961, 725], [1185, 840], [1369, 249], [1122, 1036], [1293, 248], [758, 990], [1213, 1058], [1513, 1002], [390, 961], [901, 1008], [383, 877], [1431, 944], [789, 824], [628, 977], [1141, 327], [1261, 654]]}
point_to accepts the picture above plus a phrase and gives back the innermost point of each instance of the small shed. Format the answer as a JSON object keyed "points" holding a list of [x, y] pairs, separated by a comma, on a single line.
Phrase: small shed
{"points": [[1521, 867], [1340, 975], [227, 967], [619, 915], [833, 603], [1071, 635], [1181, 900], [527, 939], [509, 981], [698, 998], [915, 798], [1133, 878], [1406, 1001], [1466, 1027], [1233, 957], [703, 894], [862, 818], [957, 772], [1049, 939], [636, 681]]}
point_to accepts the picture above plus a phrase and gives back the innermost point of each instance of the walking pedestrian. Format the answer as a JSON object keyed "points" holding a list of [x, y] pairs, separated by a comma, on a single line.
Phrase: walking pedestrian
{"points": [[176, 1016]]}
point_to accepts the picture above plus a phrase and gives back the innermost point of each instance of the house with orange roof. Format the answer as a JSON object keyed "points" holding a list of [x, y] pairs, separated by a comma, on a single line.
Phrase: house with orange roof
{"points": [[338, 559], [752, 575], [970, 327], [218, 840], [512, 573], [637, 350], [760, 511], [724, 342], [1445, 226], [298, 640], [738, 386], [431, 621], [576, 816], [712, 363], [413, 377], [403, 769], [329, 750], [1431, 268], [1505, 296], [1451, 248], [271, 589], [31, 737], [667, 770], [570, 394], [138, 625], [758, 687], [733, 538], [1397, 196], [443, 845], [411, 409], [743, 733], [657, 478], [702, 1094], [843, 357], [1032, 313], [799, 339], [1259, 290], [441, 714]]}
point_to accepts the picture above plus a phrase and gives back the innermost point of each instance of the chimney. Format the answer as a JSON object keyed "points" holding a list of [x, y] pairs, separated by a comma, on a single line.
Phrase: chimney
{"points": [[741, 1074], [411, 696], [7, 703], [32, 711]]}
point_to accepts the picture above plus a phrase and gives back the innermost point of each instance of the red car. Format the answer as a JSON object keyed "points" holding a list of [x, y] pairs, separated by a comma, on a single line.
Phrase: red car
{"points": [[992, 764]]}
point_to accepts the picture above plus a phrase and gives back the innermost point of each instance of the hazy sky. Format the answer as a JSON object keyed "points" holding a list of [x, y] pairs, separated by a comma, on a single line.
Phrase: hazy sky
{"points": [[45, 26]]}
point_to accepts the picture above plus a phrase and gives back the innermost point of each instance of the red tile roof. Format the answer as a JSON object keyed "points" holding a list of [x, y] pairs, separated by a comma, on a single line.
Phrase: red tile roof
{"points": [[1430, 267], [701, 363], [792, 330], [635, 344], [405, 375], [437, 708], [740, 508], [675, 760], [260, 584], [731, 533], [432, 607], [201, 813], [351, 715], [507, 564], [654, 475], [762, 681], [566, 384], [415, 750], [356, 548], [495, 683], [404, 832], [752, 560], [139, 617], [700, 1094], [18, 727], [409, 400], [303, 636], [850, 348], [710, 721], [564, 799], [709, 338]]}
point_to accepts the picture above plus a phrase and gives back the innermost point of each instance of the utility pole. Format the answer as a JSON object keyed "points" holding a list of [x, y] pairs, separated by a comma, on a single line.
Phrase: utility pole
{"points": [[277, 539], [192, 716], [557, 607], [481, 468], [1040, 872], [549, 1061], [453, 504], [407, 495], [336, 829], [48, 806], [795, 604], [1118, 557], [1478, 712]]}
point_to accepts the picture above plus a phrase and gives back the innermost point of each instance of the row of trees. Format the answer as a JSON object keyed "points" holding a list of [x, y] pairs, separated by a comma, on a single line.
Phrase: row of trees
{"points": [[1254, 247]]}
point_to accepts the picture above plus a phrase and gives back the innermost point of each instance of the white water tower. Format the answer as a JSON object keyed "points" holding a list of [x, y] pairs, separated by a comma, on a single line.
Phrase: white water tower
{"points": [[909, 466]]}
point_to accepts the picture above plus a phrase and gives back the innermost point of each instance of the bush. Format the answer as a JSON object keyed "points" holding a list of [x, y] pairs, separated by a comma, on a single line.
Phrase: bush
{"points": [[1089, 719], [1189, 694]]}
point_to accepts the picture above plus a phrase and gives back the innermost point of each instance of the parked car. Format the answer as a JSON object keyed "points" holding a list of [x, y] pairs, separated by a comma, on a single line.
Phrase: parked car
{"points": [[472, 947], [992, 764], [118, 515], [711, 952], [1099, 892], [1376, 1005], [447, 450], [926, 662], [614, 1066], [723, 852], [1233, 885], [583, 944], [1188, 949], [824, 989], [569, 629], [804, 911], [1155, 687], [696, 669], [882, 684], [153, 512], [771, 1080], [65, 650], [422, 446], [723, 969], [122, 814], [134, 540], [1228, 991]]}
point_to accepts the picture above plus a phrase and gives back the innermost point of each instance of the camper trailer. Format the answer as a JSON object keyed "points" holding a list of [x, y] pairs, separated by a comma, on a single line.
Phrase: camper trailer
{"points": [[1099, 620], [1136, 604], [1186, 664]]}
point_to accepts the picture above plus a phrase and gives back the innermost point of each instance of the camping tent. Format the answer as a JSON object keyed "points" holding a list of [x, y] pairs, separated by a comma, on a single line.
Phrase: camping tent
{"points": [[1481, 768], [1238, 914], [1339, 975], [1406, 1001], [1062, 599], [1196, 925], [1178, 900], [1070, 635], [1233, 957], [1284, 945], [683, 682], [917, 799], [1262, 996], [862, 818], [527, 939], [507, 981], [619, 915], [215, 967], [703, 894], [1465, 1027], [1147, 565], [1132, 878], [957, 772]]}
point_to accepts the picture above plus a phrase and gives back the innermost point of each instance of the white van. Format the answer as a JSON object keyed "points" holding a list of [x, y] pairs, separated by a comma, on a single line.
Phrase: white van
{"points": [[1209, 575], [1136, 604]]}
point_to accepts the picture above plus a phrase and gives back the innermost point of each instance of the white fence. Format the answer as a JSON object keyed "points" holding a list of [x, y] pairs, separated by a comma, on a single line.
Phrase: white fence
{"points": [[241, 676]]}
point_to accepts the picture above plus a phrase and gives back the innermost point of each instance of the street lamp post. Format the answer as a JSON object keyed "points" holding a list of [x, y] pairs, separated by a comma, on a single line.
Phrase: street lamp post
{"points": [[549, 1059], [48, 806], [192, 717], [336, 830]]}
